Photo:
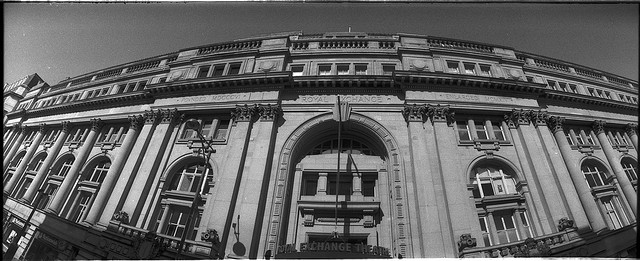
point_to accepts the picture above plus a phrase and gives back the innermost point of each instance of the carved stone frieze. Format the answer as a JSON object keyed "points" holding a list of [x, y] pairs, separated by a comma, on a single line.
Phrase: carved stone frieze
{"points": [[244, 113], [517, 117], [555, 123], [136, 121], [96, 124], [598, 126], [440, 113], [269, 112], [414, 112], [631, 129], [466, 241]]}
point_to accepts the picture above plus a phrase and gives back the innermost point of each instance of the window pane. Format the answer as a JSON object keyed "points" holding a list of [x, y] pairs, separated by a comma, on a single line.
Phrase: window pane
{"points": [[481, 131], [218, 70], [234, 69], [203, 71]]}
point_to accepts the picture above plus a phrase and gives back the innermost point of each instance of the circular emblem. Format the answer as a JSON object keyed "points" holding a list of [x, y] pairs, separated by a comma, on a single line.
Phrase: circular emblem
{"points": [[419, 64]]}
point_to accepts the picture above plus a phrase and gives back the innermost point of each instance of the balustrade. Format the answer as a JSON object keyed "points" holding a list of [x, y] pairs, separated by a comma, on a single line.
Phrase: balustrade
{"points": [[588, 74], [230, 47], [530, 247], [108, 74], [343, 44], [459, 45], [551, 65], [143, 66]]}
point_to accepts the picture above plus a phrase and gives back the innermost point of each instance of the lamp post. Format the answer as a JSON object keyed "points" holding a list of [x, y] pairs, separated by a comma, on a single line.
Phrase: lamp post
{"points": [[194, 125]]}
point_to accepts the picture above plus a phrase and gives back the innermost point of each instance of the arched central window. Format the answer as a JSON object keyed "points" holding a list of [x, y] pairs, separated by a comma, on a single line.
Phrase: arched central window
{"points": [[595, 176], [175, 205], [348, 146], [502, 210]]}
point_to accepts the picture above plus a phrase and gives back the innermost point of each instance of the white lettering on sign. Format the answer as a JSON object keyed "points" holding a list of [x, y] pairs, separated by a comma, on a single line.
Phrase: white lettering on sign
{"points": [[474, 98], [345, 98]]}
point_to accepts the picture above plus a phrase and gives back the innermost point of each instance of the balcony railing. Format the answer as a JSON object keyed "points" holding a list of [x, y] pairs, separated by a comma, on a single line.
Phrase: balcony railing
{"points": [[234, 46], [458, 45], [530, 247], [338, 44]]}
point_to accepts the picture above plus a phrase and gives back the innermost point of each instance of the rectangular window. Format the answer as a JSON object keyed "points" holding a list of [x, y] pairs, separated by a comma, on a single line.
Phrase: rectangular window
{"points": [[505, 226], [297, 70], [589, 137], [592, 92], [49, 192], [525, 224], [529, 79], [485, 231], [551, 84], [481, 131], [361, 69], [498, 132], [607, 95], [563, 87], [218, 70], [630, 170], [222, 130], [485, 70], [130, 87], [469, 68], [121, 88], [346, 184], [203, 71], [163, 79], [343, 69], [453, 67], [80, 206], [387, 69], [141, 85], [310, 184], [176, 221], [234, 69], [369, 185], [324, 69], [573, 88], [611, 212], [463, 130]]}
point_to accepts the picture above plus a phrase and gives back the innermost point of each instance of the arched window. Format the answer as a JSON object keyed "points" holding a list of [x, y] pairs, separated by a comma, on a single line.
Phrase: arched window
{"points": [[605, 193], [350, 146], [502, 212], [54, 180], [87, 189], [630, 168], [175, 205]]}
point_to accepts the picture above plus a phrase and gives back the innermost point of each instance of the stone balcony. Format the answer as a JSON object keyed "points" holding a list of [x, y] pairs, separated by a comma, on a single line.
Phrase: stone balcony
{"points": [[540, 246]]}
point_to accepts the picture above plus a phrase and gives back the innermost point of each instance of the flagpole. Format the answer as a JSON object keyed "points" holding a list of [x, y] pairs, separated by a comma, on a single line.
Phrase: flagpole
{"points": [[338, 167]]}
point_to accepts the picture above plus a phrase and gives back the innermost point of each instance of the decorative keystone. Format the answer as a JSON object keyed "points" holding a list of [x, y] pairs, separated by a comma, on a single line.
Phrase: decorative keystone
{"points": [[466, 241]]}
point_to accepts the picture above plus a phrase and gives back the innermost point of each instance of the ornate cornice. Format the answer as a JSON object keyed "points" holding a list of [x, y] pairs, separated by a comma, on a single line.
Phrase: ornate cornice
{"points": [[440, 113], [66, 126], [96, 124], [136, 121], [538, 118], [631, 129], [555, 123], [268, 112], [414, 112], [517, 117], [598, 126], [244, 113]]}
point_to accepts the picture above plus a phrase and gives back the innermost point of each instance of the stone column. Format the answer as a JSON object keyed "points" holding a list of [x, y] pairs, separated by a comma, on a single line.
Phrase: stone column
{"points": [[614, 161], [8, 157], [67, 184], [144, 164], [25, 160], [584, 192], [114, 171], [632, 132], [44, 169], [14, 132]]}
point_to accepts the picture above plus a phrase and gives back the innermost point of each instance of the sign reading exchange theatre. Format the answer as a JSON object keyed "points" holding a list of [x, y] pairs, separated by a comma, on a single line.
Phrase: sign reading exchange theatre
{"points": [[332, 250]]}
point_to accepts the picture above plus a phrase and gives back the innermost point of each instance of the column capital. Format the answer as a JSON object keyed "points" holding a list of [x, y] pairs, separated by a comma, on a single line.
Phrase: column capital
{"points": [[17, 127], [136, 121], [598, 126], [96, 124], [42, 127], [440, 113], [631, 129], [268, 112], [152, 117], [517, 117], [66, 126], [170, 115], [555, 123], [414, 112], [538, 118], [244, 113]]}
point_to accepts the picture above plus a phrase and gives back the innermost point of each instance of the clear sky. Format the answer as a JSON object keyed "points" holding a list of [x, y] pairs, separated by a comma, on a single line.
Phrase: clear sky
{"points": [[65, 40]]}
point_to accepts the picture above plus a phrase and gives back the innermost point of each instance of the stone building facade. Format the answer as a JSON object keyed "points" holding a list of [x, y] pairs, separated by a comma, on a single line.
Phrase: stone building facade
{"points": [[341, 145]]}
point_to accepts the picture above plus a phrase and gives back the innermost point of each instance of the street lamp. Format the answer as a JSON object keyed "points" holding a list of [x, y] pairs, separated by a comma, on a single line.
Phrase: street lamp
{"points": [[194, 125]]}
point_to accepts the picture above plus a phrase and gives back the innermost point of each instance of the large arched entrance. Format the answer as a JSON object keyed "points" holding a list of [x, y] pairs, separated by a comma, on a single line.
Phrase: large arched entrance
{"points": [[369, 216]]}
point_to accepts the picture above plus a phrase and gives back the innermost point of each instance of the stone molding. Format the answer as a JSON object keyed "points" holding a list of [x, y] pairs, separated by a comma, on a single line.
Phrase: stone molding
{"points": [[440, 113], [414, 113], [244, 113], [96, 124], [136, 122], [598, 126], [631, 129], [555, 123], [268, 112]]}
